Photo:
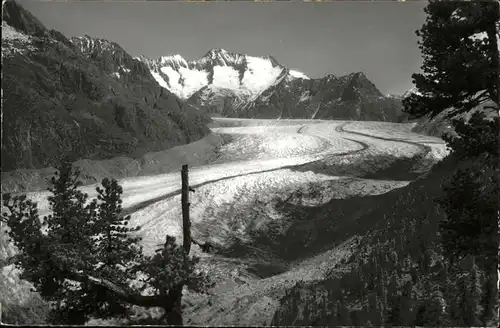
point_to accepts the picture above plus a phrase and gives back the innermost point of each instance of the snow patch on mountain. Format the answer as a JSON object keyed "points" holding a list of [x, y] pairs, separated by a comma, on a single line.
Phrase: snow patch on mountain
{"points": [[175, 59], [171, 73], [298, 75], [260, 74], [226, 77], [212, 94], [305, 96], [220, 68], [160, 80], [10, 33], [14, 42], [90, 44], [121, 70], [184, 81], [193, 79]]}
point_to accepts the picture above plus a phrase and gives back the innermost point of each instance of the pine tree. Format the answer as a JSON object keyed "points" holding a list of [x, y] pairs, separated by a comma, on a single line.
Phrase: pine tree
{"points": [[452, 311], [475, 137], [476, 293], [469, 295], [343, 316], [394, 315], [68, 226], [118, 253], [379, 318], [428, 313], [392, 288], [69, 219], [460, 71], [356, 318], [471, 203], [490, 301], [414, 274], [430, 310], [372, 302], [406, 305], [114, 245], [82, 259]]}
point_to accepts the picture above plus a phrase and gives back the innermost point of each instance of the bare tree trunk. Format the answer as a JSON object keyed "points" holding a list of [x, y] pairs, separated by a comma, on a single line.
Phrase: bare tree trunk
{"points": [[492, 34], [186, 223], [174, 313]]}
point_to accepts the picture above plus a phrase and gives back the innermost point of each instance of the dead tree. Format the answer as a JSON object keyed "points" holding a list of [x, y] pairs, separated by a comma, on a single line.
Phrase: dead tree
{"points": [[174, 317], [173, 313], [186, 223]]}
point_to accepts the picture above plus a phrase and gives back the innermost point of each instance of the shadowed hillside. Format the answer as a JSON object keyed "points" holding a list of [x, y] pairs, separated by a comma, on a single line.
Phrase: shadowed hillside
{"points": [[58, 100], [396, 275]]}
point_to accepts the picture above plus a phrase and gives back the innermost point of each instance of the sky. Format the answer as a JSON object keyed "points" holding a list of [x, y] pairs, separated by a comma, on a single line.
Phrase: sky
{"points": [[377, 38]]}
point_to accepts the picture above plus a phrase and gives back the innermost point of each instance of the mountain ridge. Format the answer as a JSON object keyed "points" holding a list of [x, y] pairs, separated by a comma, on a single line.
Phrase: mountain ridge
{"points": [[221, 83], [58, 99], [218, 67]]}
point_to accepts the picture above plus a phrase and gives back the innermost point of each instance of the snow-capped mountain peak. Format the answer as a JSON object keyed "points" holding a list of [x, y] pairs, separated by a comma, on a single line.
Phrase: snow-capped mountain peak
{"points": [[219, 52], [175, 60], [221, 57], [218, 68], [234, 84]]}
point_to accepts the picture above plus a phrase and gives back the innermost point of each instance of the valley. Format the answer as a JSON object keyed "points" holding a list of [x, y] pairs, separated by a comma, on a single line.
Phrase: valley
{"points": [[240, 195], [269, 156]]}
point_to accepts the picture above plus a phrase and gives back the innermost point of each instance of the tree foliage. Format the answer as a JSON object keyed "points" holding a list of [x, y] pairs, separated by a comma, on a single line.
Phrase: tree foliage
{"points": [[86, 261], [461, 73], [460, 68], [474, 137], [471, 205]]}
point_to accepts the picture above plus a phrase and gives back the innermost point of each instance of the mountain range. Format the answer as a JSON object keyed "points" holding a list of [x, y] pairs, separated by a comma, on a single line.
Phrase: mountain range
{"points": [[88, 98], [237, 85]]}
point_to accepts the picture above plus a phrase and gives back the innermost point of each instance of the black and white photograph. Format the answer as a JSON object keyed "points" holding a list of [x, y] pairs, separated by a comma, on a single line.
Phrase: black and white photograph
{"points": [[250, 163]]}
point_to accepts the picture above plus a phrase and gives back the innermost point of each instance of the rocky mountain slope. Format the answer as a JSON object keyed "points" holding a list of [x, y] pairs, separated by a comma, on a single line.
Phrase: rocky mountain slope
{"points": [[83, 97], [236, 85], [396, 274]]}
